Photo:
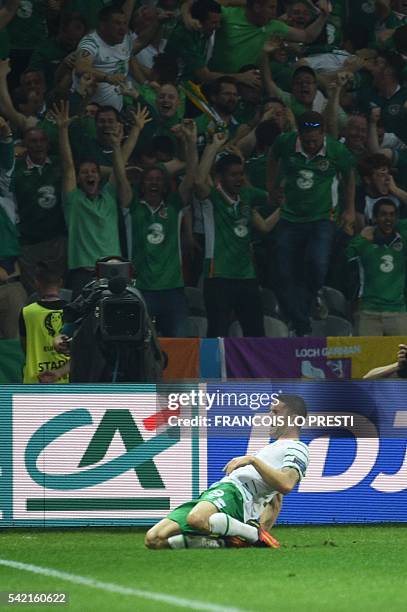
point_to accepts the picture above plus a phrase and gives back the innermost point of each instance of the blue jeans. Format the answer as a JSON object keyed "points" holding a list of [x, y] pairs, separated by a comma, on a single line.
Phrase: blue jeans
{"points": [[168, 308], [303, 256]]}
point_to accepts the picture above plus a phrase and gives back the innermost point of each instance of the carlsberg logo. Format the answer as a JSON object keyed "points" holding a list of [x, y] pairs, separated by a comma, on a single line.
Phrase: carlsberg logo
{"points": [[139, 455]]}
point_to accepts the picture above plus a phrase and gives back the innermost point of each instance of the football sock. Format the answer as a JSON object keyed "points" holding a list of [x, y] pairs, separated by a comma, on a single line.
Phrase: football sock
{"points": [[183, 541], [225, 525]]}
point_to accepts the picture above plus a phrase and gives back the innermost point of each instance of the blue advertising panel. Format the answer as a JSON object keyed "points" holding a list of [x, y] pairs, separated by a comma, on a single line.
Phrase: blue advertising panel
{"points": [[355, 475]]}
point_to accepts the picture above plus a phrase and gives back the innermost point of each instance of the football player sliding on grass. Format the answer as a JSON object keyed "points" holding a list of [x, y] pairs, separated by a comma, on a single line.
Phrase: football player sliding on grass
{"points": [[227, 513]]}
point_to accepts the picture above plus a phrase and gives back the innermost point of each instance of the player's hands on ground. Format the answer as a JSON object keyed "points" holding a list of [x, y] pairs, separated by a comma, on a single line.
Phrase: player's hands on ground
{"points": [[238, 462]]}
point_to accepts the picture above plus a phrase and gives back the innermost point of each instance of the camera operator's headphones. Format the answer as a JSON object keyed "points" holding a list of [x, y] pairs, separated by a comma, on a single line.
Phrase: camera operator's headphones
{"points": [[111, 258]]}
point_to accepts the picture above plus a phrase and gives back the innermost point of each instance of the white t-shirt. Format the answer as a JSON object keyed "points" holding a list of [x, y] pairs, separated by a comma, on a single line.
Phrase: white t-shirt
{"points": [[112, 59], [146, 56], [255, 491]]}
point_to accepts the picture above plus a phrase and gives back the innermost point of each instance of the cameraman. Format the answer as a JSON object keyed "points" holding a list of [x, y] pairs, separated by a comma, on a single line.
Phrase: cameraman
{"points": [[393, 370], [108, 331]]}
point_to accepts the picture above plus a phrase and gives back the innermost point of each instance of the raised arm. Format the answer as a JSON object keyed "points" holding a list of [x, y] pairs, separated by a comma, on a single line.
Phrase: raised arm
{"points": [[312, 32], [265, 225], [7, 12], [188, 128], [372, 135], [17, 120], [271, 88], [128, 8], [119, 176], [203, 182], [141, 117], [62, 119], [348, 215]]}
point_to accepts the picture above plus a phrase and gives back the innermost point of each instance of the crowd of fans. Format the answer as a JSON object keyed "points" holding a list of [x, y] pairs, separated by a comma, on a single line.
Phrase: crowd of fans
{"points": [[229, 145]]}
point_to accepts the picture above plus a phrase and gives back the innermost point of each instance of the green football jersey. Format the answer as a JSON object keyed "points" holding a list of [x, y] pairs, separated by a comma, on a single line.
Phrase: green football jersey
{"points": [[38, 194], [382, 272], [191, 48], [92, 226], [29, 25], [157, 243], [310, 184], [256, 171], [238, 42], [393, 113], [228, 233]]}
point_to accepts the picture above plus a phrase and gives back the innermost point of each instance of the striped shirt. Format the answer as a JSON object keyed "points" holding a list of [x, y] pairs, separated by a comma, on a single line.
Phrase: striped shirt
{"points": [[111, 59]]}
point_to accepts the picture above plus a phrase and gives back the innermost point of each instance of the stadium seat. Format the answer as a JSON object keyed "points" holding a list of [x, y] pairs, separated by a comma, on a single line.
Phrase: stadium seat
{"points": [[235, 330], [195, 302], [271, 307], [336, 302], [197, 327], [275, 328], [331, 326]]}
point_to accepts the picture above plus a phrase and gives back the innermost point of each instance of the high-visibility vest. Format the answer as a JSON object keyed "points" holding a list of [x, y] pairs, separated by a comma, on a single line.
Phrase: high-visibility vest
{"points": [[42, 326]]}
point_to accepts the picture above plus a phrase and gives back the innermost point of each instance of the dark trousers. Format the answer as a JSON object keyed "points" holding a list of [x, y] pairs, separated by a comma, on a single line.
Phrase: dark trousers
{"points": [[225, 296], [168, 309], [303, 255]]}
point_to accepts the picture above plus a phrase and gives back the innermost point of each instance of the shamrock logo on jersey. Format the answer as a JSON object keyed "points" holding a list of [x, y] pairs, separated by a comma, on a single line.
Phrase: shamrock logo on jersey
{"points": [[369, 7], [323, 165], [47, 197], [394, 109], [306, 179], [155, 233], [25, 9], [241, 230], [53, 323]]}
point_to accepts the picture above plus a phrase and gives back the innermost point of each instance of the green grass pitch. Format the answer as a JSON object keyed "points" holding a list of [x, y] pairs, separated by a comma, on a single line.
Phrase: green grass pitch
{"points": [[329, 569]]}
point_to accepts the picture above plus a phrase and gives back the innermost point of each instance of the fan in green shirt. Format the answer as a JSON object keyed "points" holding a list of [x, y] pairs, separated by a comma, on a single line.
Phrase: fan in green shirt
{"points": [[29, 24], [312, 165], [388, 93], [380, 254], [37, 188], [229, 214], [156, 221], [193, 48], [91, 211], [223, 97], [244, 31], [50, 52]]}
